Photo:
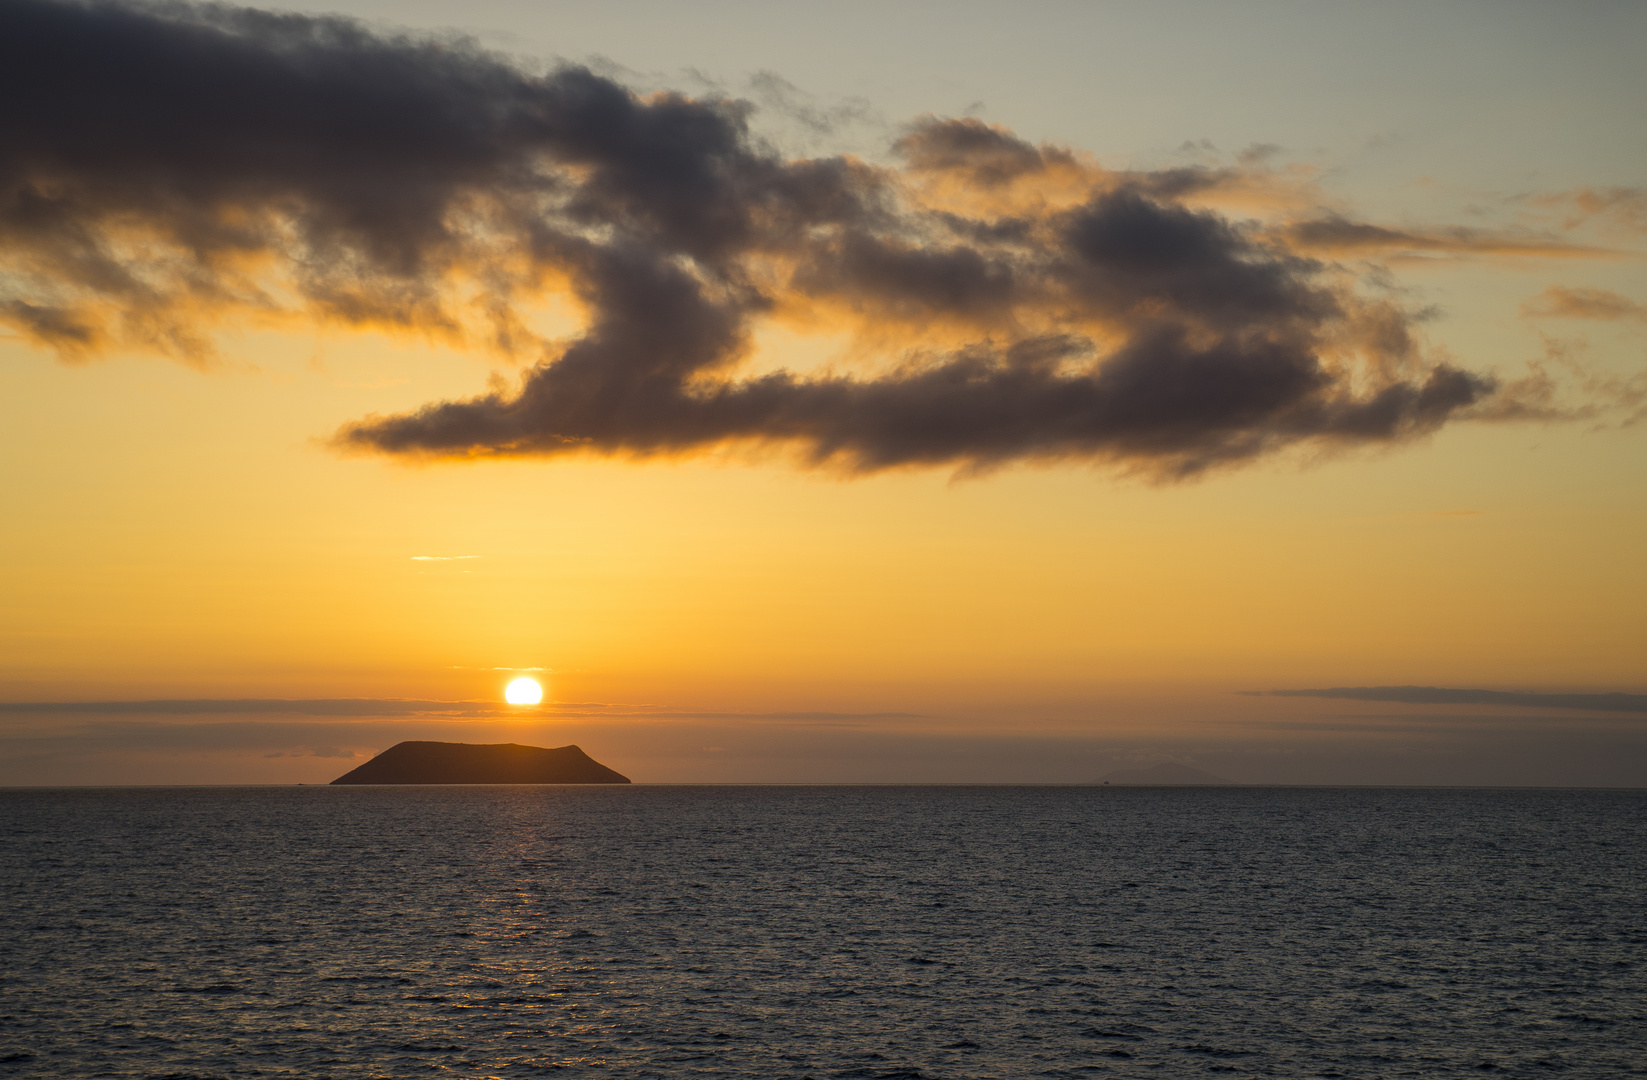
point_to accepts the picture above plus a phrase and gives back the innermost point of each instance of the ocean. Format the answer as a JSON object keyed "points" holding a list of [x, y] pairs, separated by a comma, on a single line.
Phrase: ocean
{"points": [[788, 932]]}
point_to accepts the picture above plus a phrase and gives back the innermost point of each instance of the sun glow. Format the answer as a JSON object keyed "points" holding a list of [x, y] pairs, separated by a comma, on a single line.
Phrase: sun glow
{"points": [[523, 692]]}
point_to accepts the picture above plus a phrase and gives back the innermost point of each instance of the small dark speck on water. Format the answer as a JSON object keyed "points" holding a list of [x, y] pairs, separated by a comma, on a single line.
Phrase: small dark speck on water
{"points": [[348, 933]]}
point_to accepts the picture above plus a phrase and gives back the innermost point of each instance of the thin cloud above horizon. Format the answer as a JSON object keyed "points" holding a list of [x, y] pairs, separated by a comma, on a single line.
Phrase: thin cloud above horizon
{"points": [[1437, 695], [394, 708]]}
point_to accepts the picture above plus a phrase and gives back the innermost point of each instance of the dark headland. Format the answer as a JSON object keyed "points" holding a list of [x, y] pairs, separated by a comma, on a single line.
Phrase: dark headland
{"points": [[481, 763]]}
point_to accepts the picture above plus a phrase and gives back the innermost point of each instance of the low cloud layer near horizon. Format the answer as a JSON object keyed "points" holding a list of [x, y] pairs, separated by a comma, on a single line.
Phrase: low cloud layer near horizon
{"points": [[1480, 737], [1440, 695], [180, 167], [1412, 749]]}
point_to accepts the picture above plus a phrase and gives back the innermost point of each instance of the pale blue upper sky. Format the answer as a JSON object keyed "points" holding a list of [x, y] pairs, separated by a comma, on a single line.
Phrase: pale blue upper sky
{"points": [[1498, 96]]}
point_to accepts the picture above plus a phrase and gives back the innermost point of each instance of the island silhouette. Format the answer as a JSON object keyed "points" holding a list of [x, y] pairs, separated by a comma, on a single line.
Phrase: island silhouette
{"points": [[481, 763]]}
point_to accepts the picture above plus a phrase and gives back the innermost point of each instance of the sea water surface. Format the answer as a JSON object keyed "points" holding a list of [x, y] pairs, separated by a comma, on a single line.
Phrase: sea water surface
{"points": [[736, 932]]}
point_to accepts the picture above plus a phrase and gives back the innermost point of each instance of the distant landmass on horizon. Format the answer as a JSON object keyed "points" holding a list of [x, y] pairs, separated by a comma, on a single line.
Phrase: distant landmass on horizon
{"points": [[481, 763], [1166, 774]]}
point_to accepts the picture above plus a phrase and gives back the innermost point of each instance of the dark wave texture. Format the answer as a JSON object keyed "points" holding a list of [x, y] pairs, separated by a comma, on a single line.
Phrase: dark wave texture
{"points": [[162, 165], [641, 931]]}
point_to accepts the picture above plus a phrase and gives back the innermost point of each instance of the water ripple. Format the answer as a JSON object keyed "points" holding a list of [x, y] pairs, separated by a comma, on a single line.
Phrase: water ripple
{"points": [[822, 932]]}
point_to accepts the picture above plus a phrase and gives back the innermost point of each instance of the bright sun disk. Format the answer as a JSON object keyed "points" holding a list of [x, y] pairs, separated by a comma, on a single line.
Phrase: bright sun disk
{"points": [[523, 692]]}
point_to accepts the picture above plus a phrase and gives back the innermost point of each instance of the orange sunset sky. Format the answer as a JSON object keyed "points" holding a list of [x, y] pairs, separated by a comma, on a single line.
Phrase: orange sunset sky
{"points": [[933, 395]]}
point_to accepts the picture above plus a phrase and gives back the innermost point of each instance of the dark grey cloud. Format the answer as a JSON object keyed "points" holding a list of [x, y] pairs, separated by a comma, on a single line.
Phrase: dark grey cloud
{"points": [[975, 152], [163, 166], [1437, 695]]}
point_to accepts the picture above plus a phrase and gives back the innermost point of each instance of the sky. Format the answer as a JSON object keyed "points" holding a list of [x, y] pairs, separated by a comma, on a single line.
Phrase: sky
{"points": [[847, 393]]}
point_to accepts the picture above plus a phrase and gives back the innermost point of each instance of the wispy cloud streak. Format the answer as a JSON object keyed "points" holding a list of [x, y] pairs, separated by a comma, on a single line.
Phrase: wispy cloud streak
{"points": [[1339, 236], [1561, 303]]}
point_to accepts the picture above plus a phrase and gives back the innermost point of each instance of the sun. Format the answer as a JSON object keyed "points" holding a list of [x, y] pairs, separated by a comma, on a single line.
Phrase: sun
{"points": [[523, 692]]}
